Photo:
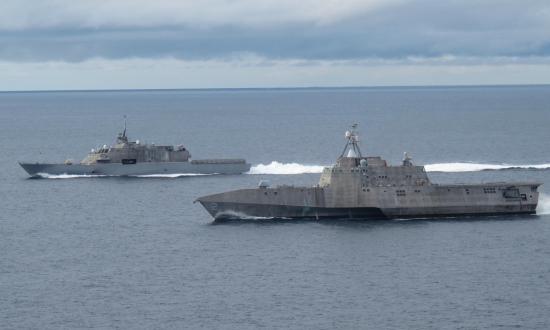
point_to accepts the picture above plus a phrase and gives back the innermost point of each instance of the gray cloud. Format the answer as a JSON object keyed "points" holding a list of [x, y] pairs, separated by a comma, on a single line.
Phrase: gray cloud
{"points": [[284, 29]]}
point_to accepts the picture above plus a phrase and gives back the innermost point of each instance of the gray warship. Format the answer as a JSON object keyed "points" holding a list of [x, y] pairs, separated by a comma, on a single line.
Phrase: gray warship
{"points": [[132, 158], [360, 187]]}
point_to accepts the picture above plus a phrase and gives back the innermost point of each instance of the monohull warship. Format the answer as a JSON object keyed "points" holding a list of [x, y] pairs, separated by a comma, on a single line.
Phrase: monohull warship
{"points": [[369, 188], [132, 158]]}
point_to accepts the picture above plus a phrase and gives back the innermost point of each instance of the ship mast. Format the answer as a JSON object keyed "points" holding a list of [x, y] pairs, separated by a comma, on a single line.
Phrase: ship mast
{"points": [[124, 133], [352, 144], [122, 136]]}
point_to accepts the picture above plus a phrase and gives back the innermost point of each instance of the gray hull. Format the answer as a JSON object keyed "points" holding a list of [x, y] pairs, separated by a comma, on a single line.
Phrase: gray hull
{"points": [[257, 211], [376, 203], [117, 169]]}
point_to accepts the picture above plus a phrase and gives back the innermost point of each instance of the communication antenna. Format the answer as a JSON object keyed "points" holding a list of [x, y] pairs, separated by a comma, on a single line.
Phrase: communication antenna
{"points": [[352, 145], [122, 136], [124, 132]]}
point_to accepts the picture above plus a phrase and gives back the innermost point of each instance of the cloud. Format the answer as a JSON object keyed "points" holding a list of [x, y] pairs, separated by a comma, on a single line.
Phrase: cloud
{"points": [[272, 42], [214, 29], [255, 71], [30, 14]]}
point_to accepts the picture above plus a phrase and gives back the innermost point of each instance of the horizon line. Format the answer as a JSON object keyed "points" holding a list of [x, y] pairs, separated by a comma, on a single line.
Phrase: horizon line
{"points": [[214, 89]]}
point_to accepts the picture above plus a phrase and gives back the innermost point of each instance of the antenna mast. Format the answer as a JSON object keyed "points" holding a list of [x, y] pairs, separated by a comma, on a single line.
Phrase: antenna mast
{"points": [[352, 145], [122, 136], [124, 133]]}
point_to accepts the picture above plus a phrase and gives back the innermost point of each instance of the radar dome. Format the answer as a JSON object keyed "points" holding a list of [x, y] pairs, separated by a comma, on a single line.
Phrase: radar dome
{"points": [[348, 134]]}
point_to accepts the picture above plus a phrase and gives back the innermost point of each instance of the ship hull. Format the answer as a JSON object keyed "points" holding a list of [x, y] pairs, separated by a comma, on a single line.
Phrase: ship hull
{"points": [[226, 211], [360, 187], [221, 211], [374, 203], [149, 168]]}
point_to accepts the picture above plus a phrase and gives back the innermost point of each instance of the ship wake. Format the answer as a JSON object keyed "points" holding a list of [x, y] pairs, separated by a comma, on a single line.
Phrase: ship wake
{"points": [[278, 168], [296, 168], [85, 176], [175, 175], [228, 215], [543, 206], [66, 176], [476, 167], [285, 168]]}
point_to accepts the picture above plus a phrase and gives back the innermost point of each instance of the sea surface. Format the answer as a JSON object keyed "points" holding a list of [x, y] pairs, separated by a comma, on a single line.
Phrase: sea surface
{"points": [[137, 253]]}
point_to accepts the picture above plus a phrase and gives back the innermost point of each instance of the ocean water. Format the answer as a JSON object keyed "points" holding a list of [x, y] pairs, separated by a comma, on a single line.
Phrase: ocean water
{"points": [[137, 253]]}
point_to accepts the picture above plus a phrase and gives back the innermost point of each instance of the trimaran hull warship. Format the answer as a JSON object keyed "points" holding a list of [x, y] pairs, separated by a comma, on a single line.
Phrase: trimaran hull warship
{"points": [[369, 188], [132, 158]]}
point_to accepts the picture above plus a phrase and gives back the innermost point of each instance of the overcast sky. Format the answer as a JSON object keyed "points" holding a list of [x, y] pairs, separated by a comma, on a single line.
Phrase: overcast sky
{"points": [[111, 44]]}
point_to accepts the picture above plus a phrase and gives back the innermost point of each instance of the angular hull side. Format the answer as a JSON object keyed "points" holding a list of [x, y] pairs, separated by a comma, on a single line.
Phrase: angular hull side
{"points": [[220, 211], [374, 203], [35, 169], [454, 211], [457, 200]]}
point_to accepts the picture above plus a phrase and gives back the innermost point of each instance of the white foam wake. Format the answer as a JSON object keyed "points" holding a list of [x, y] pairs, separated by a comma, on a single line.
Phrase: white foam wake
{"points": [[474, 167], [81, 176], [543, 206], [175, 175], [239, 215], [67, 176], [285, 168], [295, 168]]}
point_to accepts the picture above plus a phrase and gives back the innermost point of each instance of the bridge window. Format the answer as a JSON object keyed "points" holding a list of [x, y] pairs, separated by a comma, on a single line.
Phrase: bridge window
{"points": [[400, 193]]}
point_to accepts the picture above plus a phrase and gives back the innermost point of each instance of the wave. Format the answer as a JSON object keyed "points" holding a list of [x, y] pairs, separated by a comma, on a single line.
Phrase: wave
{"points": [[238, 215], [84, 176], [277, 168], [175, 175], [475, 167], [66, 176], [295, 168], [285, 168], [543, 206]]}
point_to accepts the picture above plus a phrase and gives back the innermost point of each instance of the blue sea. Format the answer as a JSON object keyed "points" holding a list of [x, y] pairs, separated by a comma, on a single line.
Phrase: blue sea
{"points": [[137, 253]]}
